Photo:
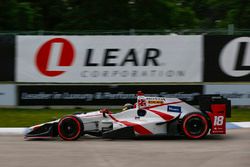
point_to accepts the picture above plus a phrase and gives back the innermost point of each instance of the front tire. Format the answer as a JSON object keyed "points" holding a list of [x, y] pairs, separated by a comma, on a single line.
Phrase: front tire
{"points": [[70, 128], [195, 126]]}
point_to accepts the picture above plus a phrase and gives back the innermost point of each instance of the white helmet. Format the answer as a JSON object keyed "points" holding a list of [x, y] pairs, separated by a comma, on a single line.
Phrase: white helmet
{"points": [[127, 106]]}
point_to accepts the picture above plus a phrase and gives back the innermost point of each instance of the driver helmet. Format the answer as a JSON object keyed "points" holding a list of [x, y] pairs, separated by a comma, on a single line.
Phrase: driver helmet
{"points": [[127, 106]]}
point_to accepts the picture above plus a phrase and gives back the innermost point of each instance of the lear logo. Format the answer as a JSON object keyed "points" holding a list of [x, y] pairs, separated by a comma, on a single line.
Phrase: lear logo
{"points": [[53, 56], [235, 57]]}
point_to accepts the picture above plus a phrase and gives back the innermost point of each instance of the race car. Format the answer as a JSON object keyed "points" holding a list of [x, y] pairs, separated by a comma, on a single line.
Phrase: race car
{"points": [[149, 116]]}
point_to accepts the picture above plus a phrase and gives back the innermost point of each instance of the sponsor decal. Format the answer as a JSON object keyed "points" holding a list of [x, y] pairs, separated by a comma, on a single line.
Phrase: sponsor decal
{"points": [[142, 102], [227, 58], [155, 98], [52, 55], [234, 58], [88, 59], [174, 109], [155, 102], [102, 94]]}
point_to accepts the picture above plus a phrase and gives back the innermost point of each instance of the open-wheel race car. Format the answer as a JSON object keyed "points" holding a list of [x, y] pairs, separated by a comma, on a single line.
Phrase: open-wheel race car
{"points": [[147, 117]]}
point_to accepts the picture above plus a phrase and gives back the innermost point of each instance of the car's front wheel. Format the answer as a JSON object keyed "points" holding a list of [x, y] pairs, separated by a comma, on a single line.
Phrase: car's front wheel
{"points": [[70, 128], [195, 126]]}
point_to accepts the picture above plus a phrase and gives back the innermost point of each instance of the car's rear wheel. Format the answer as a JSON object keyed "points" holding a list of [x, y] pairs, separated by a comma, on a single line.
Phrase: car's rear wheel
{"points": [[70, 128], [195, 126]]}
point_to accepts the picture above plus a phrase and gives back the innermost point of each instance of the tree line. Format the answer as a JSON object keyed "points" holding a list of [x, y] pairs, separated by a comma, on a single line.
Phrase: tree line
{"points": [[80, 15]]}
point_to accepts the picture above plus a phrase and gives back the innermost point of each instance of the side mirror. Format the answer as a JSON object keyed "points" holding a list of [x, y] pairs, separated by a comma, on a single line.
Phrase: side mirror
{"points": [[141, 112], [105, 111]]}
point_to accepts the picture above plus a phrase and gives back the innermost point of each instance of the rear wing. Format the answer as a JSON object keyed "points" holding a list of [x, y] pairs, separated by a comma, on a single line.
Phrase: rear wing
{"points": [[207, 101], [218, 109]]}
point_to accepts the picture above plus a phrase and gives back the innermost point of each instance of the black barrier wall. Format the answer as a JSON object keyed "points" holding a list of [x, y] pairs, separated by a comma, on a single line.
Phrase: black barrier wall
{"points": [[101, 95], [7, 54], [226, 58]]}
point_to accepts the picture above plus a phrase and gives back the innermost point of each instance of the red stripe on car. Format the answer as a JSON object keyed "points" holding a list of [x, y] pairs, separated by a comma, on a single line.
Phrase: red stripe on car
{"points": [[137, 127], [165, 116]]}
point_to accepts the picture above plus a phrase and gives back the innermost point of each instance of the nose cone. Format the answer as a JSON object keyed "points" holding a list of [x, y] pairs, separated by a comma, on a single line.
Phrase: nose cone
{"points": [[41, 131], [27, 131]]}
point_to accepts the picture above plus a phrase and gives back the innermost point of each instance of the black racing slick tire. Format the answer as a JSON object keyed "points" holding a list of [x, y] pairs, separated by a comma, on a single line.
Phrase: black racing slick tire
{"points": [[195, 126], [70, 128]]}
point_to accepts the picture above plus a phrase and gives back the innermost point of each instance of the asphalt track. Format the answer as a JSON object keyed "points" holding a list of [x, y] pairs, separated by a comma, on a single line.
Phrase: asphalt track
{"points": [[232, 150]]}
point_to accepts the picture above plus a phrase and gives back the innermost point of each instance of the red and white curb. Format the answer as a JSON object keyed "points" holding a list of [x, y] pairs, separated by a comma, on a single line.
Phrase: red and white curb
{"points": [[21, 131]]}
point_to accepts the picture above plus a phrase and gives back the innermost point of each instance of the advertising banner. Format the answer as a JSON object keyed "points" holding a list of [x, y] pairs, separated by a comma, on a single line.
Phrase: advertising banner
{"points": [[7, 51], [227, 58], [7, 95], [238, 94], [42, 95], [109, 59]]}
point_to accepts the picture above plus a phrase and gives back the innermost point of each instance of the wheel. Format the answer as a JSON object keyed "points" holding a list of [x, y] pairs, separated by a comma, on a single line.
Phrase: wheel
{"points": [[70, 128], [195, 126]]}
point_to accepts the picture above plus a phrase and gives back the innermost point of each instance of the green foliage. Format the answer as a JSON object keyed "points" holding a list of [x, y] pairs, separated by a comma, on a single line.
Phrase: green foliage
{"points": [[8, 11], [73, 15], [25, 17]]}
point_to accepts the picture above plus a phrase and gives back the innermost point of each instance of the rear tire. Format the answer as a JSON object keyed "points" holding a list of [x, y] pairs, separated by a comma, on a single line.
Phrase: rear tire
{"points": [[195, 126], [70, 128]]}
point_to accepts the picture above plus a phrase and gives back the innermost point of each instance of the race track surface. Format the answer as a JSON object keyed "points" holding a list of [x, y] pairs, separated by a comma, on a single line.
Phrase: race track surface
{"points": [[232, 150]]}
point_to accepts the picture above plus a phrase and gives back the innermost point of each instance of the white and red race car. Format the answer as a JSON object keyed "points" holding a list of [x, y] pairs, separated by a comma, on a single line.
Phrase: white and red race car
{"points": [[149, 116]]}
